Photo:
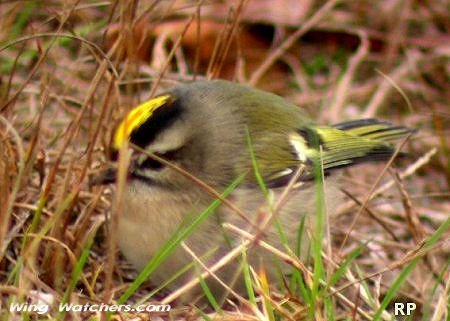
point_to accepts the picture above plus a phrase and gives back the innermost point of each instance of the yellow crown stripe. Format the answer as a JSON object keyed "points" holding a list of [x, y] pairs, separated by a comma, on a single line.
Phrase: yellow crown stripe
{"points": [[135, 118]]}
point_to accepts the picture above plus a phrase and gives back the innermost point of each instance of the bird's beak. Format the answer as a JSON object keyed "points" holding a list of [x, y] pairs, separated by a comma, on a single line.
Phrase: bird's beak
{"points": [[106, 176]]}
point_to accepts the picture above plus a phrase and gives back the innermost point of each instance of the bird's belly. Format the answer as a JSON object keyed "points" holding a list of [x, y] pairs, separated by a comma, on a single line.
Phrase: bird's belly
{"points": [[148, 220]]}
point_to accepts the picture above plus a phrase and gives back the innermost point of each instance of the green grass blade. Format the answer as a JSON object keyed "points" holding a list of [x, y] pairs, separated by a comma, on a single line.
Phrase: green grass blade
{"points": [[255, 165], [316, 241], [208, 294], [340, 271], [247, 278], [76, 272]]}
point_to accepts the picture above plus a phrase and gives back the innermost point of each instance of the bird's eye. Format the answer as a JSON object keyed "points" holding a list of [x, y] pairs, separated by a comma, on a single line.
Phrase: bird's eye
{"points": [[150, 163], [153, 164]]}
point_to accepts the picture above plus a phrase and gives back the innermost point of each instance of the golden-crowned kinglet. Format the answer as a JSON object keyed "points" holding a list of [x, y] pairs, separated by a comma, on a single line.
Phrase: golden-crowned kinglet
{"points": [[218, 131]]}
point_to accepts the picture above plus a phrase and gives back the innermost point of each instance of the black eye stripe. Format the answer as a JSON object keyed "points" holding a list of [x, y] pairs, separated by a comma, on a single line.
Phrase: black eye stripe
{"points": [[162, 118]]}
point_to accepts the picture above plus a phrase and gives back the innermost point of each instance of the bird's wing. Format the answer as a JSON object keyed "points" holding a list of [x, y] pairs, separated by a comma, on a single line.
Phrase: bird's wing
{"points": [[327, 148]]}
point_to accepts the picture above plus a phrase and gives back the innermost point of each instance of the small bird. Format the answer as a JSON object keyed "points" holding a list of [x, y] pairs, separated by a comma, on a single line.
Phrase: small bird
{"points": [[219, 131]]}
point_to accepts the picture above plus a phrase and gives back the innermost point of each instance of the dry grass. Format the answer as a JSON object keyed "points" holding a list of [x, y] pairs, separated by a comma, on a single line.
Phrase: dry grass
{"points": [[70, 69]]}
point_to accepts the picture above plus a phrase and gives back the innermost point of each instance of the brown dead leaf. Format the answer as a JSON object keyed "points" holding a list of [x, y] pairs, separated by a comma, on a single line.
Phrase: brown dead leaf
{"points": [[204, 41]]}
